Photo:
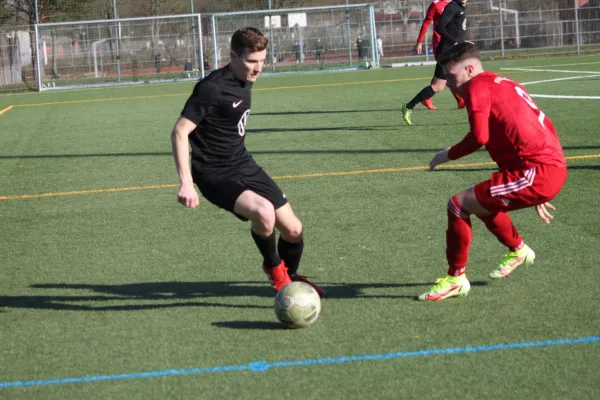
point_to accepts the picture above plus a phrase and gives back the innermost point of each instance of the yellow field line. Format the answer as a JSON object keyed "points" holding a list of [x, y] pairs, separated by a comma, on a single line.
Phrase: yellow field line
{"points": [[316, 175], [343, 84], [187, 94], [94, 191], [6, 109], [99, 100]]}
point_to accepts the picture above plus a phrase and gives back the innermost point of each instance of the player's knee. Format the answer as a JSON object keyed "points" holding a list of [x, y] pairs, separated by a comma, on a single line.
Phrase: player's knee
{"points": [[265, 215], [293, 233], [456, 208], [438, 86]]}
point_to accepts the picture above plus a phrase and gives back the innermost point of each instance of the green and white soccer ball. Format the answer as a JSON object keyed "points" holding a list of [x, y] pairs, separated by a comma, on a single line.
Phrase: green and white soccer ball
{"points": [[297, 305]]}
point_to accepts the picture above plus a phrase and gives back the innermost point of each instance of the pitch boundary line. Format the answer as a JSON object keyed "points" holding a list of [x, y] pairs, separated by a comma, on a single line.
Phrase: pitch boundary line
{"points": [[6, 109], [550, 70], [282, 177], [264, 366], [555, 96], [560, 79], [561, 65], [187, 94]]}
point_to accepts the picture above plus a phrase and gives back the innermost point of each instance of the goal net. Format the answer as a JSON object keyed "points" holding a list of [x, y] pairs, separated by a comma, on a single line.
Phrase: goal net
{"points": [[304, 39], [119, 51]]}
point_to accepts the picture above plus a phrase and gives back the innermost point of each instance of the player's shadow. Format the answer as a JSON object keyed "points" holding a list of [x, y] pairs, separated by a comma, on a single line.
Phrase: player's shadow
{"points": [[165, 295], [322, 129], [256, 325], [328, 112]]}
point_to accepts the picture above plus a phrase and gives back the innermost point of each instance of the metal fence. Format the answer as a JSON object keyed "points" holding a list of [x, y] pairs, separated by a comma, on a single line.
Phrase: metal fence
{"points": [[498, 27]]}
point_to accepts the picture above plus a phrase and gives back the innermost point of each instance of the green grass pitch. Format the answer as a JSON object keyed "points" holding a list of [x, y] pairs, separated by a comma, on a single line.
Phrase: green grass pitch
{"points": [[102, 282]]}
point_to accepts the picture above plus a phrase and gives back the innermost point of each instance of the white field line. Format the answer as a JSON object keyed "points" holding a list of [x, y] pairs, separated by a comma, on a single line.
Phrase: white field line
{"points": [[560, 65], [553, 96], [561, 79], [550, 70]]}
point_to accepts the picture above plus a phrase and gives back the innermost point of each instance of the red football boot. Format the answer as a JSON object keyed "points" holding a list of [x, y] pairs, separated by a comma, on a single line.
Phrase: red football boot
{"points": [[278, 276], [460, 102], [429, 104], [302, 278]]}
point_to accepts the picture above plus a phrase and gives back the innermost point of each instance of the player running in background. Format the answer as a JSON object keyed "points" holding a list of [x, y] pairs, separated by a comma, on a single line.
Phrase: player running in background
{"points": [[451, 27], [532, 168], [213, 120], [434, 13]]}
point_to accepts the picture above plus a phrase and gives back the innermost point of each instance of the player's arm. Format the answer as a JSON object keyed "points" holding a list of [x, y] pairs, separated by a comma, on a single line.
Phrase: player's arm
{"points": [[181, 153], [474, 140], [428, 18], [195, 110], [450, 12], [479, 106]]}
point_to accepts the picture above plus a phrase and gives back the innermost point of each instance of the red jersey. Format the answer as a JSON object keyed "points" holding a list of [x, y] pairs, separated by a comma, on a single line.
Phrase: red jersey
{"points": [[434, 12], [505, 119]]}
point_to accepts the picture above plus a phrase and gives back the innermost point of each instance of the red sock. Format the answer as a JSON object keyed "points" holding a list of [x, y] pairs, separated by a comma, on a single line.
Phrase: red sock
{"points": [[458, 98], [458, 238], [502, 227]]}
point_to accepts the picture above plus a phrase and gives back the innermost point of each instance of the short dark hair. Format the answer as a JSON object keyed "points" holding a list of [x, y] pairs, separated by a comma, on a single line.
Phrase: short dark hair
{"points": [[458, 53], [250, 39]]}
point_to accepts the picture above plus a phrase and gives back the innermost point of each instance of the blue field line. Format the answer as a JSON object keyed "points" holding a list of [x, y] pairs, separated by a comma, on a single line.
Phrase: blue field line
{"points": [[262, 366]]}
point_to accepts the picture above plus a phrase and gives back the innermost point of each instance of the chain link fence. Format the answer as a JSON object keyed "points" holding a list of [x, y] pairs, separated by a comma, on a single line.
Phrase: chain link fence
{"points": [[500, 28]]}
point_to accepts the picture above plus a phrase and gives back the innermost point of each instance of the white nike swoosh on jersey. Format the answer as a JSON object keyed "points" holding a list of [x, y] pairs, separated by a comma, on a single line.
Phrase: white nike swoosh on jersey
{"points": [[237, 104]]}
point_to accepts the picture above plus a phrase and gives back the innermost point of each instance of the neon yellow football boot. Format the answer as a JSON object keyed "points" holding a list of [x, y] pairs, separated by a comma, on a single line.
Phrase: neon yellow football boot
{"points": [[406, 114], [450, 286], [512, 260]]}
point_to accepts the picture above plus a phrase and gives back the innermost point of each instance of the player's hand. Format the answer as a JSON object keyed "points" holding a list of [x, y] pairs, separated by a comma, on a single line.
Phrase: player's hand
{"points": [[419, 48], [440, 157], [188, 196], [543, 213]]}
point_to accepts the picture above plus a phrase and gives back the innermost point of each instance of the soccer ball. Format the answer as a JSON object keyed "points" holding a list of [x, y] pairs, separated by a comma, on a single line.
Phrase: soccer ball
{"points": [[297, 305]]}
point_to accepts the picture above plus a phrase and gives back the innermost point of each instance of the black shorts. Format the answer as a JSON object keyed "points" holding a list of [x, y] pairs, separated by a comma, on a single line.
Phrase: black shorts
{"points": [[439, 71], [224, 190]]}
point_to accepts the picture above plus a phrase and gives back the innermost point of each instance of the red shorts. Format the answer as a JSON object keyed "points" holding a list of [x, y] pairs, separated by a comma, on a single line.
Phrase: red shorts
{"points": [[515, 189]]}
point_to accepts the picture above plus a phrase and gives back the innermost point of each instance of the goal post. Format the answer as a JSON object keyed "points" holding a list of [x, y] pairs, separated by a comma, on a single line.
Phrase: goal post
{"points": [[119, 51], [306, 39]]}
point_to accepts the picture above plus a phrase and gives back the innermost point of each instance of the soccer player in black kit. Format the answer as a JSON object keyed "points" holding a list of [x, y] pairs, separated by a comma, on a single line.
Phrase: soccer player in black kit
{"points": [[452, 28], [214, 121]]}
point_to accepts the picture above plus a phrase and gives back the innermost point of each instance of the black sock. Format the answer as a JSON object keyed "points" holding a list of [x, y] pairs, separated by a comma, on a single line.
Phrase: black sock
{"points": [[424, 94], [291, 253], [266, 246]]}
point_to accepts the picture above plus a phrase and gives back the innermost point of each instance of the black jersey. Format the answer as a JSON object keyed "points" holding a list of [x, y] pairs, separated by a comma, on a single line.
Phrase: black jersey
{"points": [[219, 106], [452, 26]]}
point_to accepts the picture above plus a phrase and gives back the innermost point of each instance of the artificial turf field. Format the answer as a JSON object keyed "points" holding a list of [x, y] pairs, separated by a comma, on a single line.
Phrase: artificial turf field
{"points": [[110, 289]]}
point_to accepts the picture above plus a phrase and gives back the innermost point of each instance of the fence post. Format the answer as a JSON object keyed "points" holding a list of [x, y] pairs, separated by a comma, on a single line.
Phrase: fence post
{"points": [[213, 23], [577, 27], [118, 35], [37, 57], [196, 55], [426, 39], [501, 27], [272, 39], [374, 51], [199, 23], [349, 35]]}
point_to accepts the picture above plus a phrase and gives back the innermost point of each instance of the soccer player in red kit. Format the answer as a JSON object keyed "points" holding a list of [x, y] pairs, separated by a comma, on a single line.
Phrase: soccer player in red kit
{"points": [[434, 13], [522, 141]]}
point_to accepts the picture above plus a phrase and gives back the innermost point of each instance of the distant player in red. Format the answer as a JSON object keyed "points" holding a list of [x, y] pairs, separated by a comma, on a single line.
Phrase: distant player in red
{"points": [[532, 169], [434, 13]]}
